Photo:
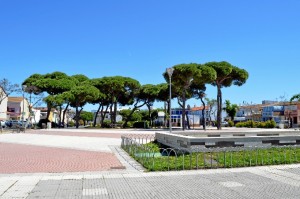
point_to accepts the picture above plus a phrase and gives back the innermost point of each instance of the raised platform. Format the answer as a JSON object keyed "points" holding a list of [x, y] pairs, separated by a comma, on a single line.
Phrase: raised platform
{"points": [[229, 138]]}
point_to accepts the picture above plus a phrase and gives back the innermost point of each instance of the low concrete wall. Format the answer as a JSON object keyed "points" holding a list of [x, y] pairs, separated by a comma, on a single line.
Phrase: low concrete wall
{"points": [[229, 140]]}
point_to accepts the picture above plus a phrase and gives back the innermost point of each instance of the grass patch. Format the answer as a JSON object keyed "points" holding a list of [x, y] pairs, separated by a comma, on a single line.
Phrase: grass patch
{"points": [[155, 158]]}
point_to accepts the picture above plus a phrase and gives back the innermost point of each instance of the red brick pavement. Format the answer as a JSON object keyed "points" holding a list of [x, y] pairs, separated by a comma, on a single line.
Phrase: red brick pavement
{"points": [[17, 158]]}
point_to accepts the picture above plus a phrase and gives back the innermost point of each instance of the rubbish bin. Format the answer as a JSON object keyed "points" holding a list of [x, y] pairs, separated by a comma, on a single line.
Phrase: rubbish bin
{"points": [[48, 125]]}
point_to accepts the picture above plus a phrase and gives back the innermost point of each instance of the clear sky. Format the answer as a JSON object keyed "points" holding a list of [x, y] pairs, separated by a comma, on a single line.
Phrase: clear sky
{"points": [[140, 39]]}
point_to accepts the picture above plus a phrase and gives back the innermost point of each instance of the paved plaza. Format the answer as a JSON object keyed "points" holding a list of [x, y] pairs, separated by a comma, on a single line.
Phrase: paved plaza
{"points": [[77, 163]]}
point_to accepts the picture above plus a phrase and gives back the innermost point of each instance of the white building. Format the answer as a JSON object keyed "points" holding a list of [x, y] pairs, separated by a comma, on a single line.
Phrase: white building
{"points": [[3, 104]]}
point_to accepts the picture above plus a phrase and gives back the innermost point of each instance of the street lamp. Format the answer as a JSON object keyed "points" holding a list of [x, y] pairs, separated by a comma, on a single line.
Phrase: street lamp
{"points": [[170, 72]]}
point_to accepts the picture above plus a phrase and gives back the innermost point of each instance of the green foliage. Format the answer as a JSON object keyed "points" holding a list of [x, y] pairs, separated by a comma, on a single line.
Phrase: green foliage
{"points": [[71, 124], [52, 83], [154, 158], [295, 97], [152, 146], [227, 75], [163, 93], [230, 109], [86, 116], [149, 93], [230, 123], [144, 114], [136, 116], [254, 124], [182, 78], [270, 124], [106, 124], [129, 124]]}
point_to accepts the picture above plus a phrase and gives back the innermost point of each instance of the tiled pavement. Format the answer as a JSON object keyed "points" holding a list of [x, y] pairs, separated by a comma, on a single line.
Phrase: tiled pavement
{"points": [[256, 182]]}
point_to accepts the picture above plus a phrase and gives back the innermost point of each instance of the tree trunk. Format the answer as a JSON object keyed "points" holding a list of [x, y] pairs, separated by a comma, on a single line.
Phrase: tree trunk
{"points": [[219, 112], [115, 112], [64, 113], [111, 113], [149, 114], [96, 115], [183, 110], [103, 115], [48, 112], [130, 114], [187, 121], [59, 112], [203, 114], [77, 117], [135, 107]]}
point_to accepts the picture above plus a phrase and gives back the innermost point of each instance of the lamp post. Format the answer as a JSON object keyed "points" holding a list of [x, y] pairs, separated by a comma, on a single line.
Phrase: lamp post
{"points": [[170, 72]]}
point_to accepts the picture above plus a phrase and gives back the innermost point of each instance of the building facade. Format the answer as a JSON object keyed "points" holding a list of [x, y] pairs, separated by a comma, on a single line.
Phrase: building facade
{"points": [[3, 104], [17, 108], [193, 116]]}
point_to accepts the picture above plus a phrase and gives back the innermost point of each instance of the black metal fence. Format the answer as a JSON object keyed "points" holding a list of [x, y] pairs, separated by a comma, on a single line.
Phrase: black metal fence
{"points": [[162, 159]]}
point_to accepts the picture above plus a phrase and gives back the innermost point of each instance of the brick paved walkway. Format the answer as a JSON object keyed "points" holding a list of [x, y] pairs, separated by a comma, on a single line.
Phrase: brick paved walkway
{"points": [[56, 151], [18, 158]]}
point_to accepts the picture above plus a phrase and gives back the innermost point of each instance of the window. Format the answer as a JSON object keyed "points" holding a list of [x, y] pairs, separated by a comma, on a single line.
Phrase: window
{"points": [[10, 109]]}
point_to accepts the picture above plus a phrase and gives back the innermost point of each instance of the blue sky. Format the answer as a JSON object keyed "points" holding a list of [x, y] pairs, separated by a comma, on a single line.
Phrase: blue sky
{"points": [[140, 39]]}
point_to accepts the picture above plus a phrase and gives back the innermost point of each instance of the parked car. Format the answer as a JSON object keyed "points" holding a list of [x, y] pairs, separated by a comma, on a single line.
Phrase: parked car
{"points": [[10, 123]]}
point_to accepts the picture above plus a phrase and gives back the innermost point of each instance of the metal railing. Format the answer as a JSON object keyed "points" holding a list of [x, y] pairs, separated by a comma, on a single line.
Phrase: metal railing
{"points": [[166, 159]]}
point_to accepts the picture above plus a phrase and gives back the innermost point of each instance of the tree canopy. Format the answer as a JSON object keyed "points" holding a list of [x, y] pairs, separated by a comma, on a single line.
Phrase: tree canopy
{"points": [[182, 77], [227, 75], [230, 109], [188, 81]]}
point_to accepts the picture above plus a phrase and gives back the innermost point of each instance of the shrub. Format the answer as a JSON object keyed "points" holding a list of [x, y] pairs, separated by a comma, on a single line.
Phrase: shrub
{"points": [[230, 123], [129, 124], [71, 124], [253, 124], [106, 124], [261, 125], [270, 124], [152, 146]]}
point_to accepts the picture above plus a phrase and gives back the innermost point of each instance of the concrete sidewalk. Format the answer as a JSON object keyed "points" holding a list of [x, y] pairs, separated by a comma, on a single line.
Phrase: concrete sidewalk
{"points": [[261, 182]]}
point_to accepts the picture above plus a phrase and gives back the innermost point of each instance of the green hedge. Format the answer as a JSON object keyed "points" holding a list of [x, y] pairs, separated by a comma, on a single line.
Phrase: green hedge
{"points": [[254, 124]]}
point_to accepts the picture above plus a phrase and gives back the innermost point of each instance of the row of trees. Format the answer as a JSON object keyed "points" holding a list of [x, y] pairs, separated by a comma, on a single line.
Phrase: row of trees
{"points": [[188, 81]]}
